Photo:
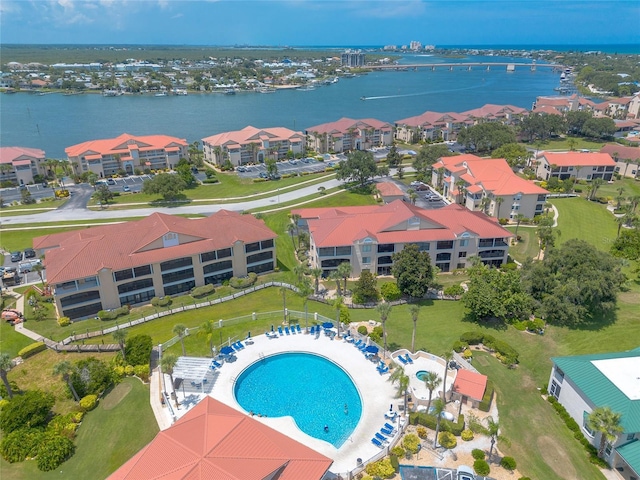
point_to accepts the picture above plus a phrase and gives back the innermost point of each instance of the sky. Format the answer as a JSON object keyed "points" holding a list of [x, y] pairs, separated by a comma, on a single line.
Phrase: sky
{"points": [[320, 22]]}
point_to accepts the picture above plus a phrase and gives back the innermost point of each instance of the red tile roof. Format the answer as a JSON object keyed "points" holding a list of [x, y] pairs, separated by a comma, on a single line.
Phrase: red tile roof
{"points": [[344, 124], [122, 144], [432, 118], [215, 442], [251, 134], [9, 154], [470, 384], [495, 111], [573, 159], [548, 109], [492, 174], [82, 253], [331, 227], [388, 189], [623, 153]]}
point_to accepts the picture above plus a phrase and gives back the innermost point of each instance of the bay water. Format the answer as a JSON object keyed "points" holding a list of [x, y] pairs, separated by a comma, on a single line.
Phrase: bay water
{"points": [[53, 122]]}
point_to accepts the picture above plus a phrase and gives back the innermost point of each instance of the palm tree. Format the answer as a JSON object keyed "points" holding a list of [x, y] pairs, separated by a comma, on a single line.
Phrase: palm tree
{"points": [[344, 270], [595, 185], [413, 196], [304, 290], [384, 309], [167, 363], [291, 229], [207, 328], [38, 268], [438, 408], [338, 303], [414, 310], [635, 200], [5, 366], [316, 273], [447, 356], [299, 270], [484, 204], [496, 212], [402, 379], [432, 381], [180, 329], [120, 336], [607, 422], [620, 196], [335, 276], [65, 369]]}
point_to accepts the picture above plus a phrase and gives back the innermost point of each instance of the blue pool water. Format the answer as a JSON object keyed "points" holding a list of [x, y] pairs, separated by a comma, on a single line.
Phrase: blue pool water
{"points": [[309, 388]]}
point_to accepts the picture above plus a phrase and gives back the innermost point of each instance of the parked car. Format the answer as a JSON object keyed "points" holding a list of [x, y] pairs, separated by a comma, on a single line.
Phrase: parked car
{"points": [[111, 181], [241, 169], [126, 188], [16, 256], [465, 473], [263, 175], [29, 253]]}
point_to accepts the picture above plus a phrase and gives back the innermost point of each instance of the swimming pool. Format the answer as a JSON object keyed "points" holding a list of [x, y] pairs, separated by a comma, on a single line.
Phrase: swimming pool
{"points": [[421, 374], [310, 388]]}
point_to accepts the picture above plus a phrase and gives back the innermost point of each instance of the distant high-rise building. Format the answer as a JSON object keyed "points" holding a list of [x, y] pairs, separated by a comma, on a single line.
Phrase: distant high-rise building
{"points": [[353, 58], [415, 45], [390, 47]]}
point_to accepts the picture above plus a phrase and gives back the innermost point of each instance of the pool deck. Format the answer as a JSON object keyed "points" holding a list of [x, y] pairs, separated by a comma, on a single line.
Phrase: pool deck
{"points": [[376, 392]]}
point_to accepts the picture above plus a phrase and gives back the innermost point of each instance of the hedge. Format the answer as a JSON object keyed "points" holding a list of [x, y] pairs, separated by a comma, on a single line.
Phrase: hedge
{"points": [[481, 467], [505, 352], [113, 314], [138, 350], [203, 291], [89, 402], [477, 454], [243, 282], [53, 452], [447, 440], [466, 435], [32, 349], [430, 421], [485, 404], [64, 321], [508, 463], [161, 301], [21, 444]]}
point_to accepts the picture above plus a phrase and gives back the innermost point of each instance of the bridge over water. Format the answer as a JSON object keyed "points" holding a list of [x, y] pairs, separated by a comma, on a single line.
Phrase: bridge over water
{"points": [[510, 66]]}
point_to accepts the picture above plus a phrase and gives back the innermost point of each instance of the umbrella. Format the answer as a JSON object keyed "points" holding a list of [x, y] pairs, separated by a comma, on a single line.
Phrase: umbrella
{"points": [[226, 350], [327, 325], [371, 349]]}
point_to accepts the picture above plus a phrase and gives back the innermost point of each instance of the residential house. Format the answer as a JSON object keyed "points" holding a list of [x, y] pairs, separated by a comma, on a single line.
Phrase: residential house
{"points": [[627, 159], [580, 165], [389, 192], [19, 165], [215, 441], [507, 114], [488, 185], [127, 153], [368, 236], [348, 134], [252, 145], [469, 387], [108, 266], [583, 383]]}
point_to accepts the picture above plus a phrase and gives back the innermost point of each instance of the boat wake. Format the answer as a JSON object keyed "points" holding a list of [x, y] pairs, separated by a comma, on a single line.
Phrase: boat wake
{"points": [[446, 90]]}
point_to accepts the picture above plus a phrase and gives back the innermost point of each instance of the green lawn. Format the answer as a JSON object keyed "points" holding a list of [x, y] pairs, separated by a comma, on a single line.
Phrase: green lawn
{"points": [[527, 247], [13, 210], [565, 144], [631, 188], [229, 187], [106, 439]]}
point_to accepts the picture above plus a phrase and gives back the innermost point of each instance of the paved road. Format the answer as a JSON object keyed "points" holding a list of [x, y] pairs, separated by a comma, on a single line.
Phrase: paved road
{"points": [[75, 213]]}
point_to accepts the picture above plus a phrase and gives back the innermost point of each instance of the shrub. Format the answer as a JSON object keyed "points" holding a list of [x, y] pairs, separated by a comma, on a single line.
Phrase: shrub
{"points": [[467, 435], [468, 354], [202, 291], [453, 291], [459, 346], [161, 301], [520, 326], [77, 416], [54, 451], [30, 410], [64, 321], [481, 467], [210, 180], [394, 463], [508, 463], [398, 451], [447, 440], [114, 313], [382, 469], [21, 444], [362, 330], [524, 478], [485, 404], [243, 282], [422, 432], [472, 338], [411, 443], [89, 402], [32, 349], [142, 372], [477, 454], [128, 370], [138, 349], [92, 377], [63, 425], [259, 180], [3, 402], [390, 292]]}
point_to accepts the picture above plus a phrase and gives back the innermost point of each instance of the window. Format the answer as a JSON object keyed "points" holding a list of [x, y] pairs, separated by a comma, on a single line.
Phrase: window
{"points": [[386, 248], [607, 449], [177, 276], [135, 285], [630, 436], [223, 253], [365, 248], [80, 298], [123, 275], [143, 270], [84, 311], [326, 252], [217, 267], [386, 260], [443, 256], [366, 260], [555, 389], [445, 245], [462, 254], [177, 263], [343, 250], [444, 267], [423, 246], [259, 257], [460, 265], [263, 267], [179, 288], [542, 198], [207, 257], [464, 243], [252, 247], [266, 244]]}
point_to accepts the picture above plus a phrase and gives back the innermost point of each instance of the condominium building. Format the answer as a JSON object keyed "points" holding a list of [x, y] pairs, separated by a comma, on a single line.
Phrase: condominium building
{"points": [[127, 153], [353, 58], [348, 134], [627, 159], [489, 185], [252, 145], [367, 237], [584, 383], [109, 266], [18, 165], [583, 166]]}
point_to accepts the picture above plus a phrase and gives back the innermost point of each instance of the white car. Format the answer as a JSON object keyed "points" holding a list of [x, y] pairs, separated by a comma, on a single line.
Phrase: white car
{"points": [[465, 473]]}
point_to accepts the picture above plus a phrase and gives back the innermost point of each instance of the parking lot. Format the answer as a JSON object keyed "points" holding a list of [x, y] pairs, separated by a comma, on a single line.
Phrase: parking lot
{"points": [[288, 167], [18, 265], [131, 183]]}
